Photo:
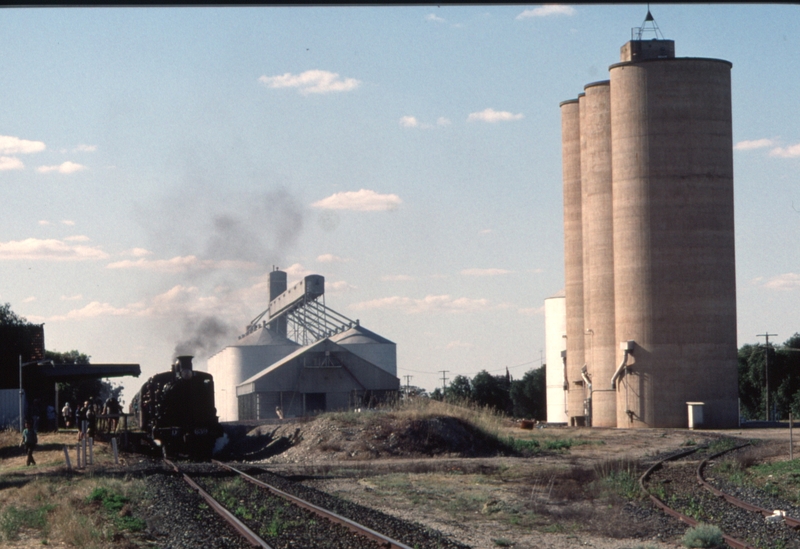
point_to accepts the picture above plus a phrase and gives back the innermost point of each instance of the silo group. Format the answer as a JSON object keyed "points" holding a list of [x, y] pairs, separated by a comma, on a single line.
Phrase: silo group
{"points": [[650, 292]]}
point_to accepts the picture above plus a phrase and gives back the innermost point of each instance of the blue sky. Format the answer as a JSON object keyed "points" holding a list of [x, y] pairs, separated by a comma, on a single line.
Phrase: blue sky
{"points": [[155, 163]]}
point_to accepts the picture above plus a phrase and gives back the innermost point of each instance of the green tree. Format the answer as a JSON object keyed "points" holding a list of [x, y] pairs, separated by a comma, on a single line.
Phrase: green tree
{"points": [[784, 379], [459, 389], [10, 318], [529, 395], [491, 391]]}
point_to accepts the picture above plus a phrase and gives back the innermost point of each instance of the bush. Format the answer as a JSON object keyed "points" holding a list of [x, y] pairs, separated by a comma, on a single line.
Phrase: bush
{"points": [[703, 536]]}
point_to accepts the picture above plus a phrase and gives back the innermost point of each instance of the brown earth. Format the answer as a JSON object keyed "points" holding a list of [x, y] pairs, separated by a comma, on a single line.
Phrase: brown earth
{"points": [[442, 473]]}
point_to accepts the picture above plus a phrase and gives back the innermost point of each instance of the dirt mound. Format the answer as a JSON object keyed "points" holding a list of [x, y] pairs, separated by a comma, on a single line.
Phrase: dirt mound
{"points": [[373, 436]]}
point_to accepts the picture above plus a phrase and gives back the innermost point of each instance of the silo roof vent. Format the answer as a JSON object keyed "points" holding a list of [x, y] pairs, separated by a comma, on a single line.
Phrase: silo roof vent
{"points": [[647, 43], [638, 33]]}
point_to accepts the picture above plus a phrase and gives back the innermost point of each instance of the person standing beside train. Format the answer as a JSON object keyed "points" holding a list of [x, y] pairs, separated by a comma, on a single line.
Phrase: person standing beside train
{"points": [[29, 441], [81, 418], [66, 413]]}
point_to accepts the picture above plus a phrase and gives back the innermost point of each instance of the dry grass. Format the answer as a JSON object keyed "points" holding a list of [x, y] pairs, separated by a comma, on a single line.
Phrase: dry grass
{"points": [[46, 504], [486, 419]]}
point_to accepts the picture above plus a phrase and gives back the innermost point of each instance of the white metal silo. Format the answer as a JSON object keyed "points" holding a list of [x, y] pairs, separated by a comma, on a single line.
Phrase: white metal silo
{"points": [[555, 332]]}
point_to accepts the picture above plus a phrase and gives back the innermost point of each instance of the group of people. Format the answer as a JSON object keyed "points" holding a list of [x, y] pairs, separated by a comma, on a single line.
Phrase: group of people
{"points": [[89, 413]]}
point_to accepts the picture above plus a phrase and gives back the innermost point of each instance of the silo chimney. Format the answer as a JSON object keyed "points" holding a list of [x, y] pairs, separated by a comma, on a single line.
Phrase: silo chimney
{"points": [[277, 285]]}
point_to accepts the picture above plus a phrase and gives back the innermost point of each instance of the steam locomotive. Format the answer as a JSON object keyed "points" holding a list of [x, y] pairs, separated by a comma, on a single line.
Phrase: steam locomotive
{"points": [[176, 414]]}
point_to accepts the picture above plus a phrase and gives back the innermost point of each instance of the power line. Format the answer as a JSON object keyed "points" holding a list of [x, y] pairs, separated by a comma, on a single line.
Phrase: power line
{"points": [[766, 367]]}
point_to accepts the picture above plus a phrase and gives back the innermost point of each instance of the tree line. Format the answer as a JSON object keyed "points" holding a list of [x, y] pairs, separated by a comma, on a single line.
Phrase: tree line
{"points": [[523, 398], [776, 367]]}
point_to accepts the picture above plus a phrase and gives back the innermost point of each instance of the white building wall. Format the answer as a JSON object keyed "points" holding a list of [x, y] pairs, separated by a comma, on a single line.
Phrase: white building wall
{"points": [[382, 355], [233, 365], [555, 321]]}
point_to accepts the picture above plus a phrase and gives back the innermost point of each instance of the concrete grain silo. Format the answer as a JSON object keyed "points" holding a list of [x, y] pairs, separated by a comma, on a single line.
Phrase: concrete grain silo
{"points": [[657, 301], [675, 276], [573, 258], [598, 251]]}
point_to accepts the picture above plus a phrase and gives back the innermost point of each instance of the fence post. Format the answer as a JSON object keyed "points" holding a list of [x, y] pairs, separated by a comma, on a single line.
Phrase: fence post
{"points": [[66, 457], [114, 447]]}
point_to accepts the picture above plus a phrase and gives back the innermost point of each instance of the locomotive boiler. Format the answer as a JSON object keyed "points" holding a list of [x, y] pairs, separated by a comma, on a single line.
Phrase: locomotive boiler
{"points": [[176, 413]]}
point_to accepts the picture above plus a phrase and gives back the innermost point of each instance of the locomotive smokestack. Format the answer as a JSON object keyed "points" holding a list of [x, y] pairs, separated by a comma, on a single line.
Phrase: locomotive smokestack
{"points": [[183, 363]]}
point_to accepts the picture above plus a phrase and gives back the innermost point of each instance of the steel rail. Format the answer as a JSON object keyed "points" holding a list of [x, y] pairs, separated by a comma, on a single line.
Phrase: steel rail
{"points": [[251, 537], [733, 542], [360, 529], [791, 522]]}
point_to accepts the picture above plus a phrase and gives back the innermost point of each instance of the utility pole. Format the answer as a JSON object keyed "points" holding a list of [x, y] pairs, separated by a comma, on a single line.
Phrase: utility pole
{"points": [[408, 384], [766, 366], [444, 379]]}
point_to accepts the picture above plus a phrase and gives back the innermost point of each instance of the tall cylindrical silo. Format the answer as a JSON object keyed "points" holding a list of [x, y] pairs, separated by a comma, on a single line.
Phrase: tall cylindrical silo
{"points": [[277, 285], [675, 287], [555, 330], [573, 256], [598, 251]]}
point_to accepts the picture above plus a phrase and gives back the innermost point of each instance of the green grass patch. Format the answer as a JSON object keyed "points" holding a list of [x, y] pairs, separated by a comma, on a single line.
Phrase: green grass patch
{"points": [[703, 536], [13, 519], [778, 478], [114, 503]]}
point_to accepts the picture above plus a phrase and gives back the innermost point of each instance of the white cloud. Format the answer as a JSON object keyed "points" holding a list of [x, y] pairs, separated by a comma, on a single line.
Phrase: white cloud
{"points": [[137, 252], [330, 258], [485, 272], [414, 122], [792, 151], [94, 309], [50, 249], [409, 122], [85, 148], [532, 311], [459, 345], [363, 200], [295, 272], [313, 81], [76, 297], [67, 222], [179, 264], [492, 116], [486, 231], [29, 299], [435, 18], [428, 304], [64, 167], [755, 144], [397, 278], [77, 238], [15, 145], [10, 163], [547, 10], [786, 281], [44, 222], [338, 287]]}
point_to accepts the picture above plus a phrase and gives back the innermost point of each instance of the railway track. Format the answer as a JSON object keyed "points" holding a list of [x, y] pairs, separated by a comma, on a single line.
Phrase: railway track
{"points": [[677, 485], [269, 517]]}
